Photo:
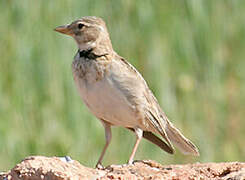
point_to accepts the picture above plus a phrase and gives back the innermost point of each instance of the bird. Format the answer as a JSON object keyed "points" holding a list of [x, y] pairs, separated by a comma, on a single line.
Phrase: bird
{"points": [[116, 93]]}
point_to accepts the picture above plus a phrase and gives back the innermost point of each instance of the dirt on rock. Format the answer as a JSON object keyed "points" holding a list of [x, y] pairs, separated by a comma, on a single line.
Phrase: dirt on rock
{"points": [[54, 168]]}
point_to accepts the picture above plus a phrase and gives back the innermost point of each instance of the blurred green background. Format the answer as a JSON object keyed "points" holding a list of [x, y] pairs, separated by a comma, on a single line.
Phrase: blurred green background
{"points": [[191, 53]]}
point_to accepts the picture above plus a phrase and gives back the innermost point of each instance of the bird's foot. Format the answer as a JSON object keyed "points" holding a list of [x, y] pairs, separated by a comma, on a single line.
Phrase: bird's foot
{"points": [[99, 166], [130, 162]]}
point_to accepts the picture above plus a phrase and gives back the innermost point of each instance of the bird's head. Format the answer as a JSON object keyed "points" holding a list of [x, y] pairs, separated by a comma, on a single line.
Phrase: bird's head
{"points": [[89, 32]]}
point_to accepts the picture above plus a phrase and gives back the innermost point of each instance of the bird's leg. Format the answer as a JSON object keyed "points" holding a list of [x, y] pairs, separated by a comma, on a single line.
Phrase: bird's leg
{"points": [[107, 127], [139, 133]]}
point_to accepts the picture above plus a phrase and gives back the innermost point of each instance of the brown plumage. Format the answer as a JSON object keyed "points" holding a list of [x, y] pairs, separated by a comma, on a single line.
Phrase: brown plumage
{"points": [[115, 92]]}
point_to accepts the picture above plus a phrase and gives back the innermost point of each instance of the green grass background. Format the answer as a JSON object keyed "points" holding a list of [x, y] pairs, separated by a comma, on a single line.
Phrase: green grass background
{"points": [[191, 53]]}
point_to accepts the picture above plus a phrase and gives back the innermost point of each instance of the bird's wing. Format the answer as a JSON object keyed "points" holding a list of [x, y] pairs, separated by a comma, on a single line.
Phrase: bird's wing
{"points": [[129, 81]]}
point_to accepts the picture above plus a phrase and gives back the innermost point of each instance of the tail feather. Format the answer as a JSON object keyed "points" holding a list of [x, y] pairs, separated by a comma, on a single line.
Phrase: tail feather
{"points": [[184, 145], [157, 141]]}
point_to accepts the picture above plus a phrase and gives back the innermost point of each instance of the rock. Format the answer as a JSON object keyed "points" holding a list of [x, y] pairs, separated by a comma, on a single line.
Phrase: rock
{"points": [[39, 167]]}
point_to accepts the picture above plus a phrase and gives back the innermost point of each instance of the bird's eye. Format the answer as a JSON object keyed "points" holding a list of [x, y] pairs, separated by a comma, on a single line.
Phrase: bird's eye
{"points": [[80, 26]]}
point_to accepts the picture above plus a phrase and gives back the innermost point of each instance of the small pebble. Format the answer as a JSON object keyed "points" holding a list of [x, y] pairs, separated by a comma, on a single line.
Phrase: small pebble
{"points": [[66, 159]]}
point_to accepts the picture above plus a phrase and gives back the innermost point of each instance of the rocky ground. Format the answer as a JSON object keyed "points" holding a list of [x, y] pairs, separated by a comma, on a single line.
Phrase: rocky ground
{"points": [[54, 168]]}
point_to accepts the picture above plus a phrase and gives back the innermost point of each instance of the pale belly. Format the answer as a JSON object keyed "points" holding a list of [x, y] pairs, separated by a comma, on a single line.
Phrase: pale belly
{"points": [[107, 102]]}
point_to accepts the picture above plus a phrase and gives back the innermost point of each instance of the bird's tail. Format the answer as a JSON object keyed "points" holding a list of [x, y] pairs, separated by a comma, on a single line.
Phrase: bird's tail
{"points": [[184, 145]]}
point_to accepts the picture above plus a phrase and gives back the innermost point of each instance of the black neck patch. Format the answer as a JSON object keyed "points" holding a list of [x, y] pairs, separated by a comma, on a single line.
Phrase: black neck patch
{"points": [[88, 54]]}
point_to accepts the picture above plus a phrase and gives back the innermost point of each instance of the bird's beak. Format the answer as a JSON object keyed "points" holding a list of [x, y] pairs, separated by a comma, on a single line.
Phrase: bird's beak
{"points": [[64, 29]]}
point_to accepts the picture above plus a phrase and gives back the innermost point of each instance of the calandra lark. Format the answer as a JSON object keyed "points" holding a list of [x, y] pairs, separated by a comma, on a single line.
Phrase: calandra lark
{"points": [[115, 92]]}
